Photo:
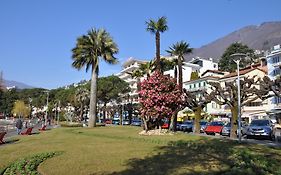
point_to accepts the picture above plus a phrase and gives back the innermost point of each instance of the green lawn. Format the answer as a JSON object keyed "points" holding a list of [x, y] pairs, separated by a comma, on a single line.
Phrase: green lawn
{"points": [[120, 150]]}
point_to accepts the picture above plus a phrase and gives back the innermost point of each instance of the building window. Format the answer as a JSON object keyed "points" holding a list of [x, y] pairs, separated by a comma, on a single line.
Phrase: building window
{"points": [[204, 83], [277, 100], [252, 104], [276, 72], [199, 84], [276, 59], [190, 86]]}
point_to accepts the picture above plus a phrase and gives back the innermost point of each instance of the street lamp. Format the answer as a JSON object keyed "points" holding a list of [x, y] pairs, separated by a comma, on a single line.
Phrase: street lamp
{"points": [[237, 58]]}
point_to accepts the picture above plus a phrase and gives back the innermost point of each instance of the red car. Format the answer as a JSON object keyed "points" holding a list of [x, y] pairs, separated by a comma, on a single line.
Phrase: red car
{"points": [[165, 126], [214, 127]]}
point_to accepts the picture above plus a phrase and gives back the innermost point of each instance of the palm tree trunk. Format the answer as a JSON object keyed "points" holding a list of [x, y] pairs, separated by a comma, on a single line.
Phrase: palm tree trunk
{"points": [[180, 72], [93, 98], [157, 38], [176, 73]]}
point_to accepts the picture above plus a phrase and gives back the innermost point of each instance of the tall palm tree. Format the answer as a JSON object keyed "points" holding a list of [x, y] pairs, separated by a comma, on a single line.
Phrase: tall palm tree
{"points": [[180, 49], [89, 49], [157, 27]]}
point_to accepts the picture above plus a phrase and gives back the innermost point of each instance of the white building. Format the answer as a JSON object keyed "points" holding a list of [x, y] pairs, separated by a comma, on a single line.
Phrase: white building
{"points": [[202, 84], [128, 67], [199, 65], [274, 70]]}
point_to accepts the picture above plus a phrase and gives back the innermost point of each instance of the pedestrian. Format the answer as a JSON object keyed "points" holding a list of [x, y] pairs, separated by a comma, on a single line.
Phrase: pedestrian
{"points": [[19, 126]]}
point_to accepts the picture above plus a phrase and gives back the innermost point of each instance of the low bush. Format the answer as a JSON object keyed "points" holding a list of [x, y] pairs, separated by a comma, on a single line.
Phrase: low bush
{"points": [[28, 165]]}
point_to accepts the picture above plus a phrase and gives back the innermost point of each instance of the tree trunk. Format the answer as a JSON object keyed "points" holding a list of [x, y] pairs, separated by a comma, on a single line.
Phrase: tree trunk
{"points": [[157, 38], [145, 124], [180, 72], [197, 127], [104, 110], [234, 122], [176, 73], [93, 98], [120, 114], [81, 112]]}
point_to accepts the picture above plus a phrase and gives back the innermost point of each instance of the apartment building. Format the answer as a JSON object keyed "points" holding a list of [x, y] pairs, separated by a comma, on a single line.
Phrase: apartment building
{"points": [[199, 65], [128, 67], [274, 70]]}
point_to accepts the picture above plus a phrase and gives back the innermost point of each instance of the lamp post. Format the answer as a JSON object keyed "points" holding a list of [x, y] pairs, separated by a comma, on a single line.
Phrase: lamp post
{"points": [[239, 56]]}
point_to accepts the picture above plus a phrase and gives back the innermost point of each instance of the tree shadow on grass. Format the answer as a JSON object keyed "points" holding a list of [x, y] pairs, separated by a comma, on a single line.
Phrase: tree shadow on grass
{"points": [[205, 156], [9, 141]]}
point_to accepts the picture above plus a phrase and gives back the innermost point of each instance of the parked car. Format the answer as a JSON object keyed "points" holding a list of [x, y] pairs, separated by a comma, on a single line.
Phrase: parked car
{"points": [[165, 126], [125, 122], [226, 129], [186, 126], [178, 125], [107, 121], [260, 129], [214, 127], [136, 122], [203, 125], [116, 122]]}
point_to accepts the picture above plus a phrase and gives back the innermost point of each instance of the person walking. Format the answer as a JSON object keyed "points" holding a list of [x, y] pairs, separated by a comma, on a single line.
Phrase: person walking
{"points": [[19, 126]]}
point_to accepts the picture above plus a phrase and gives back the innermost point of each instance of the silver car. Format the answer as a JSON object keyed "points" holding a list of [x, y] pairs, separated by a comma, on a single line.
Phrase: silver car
{"points": [[260, 129]]}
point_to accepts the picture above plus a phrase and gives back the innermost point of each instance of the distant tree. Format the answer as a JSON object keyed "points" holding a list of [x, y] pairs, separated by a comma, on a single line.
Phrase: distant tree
{"points": [[167, 65], [110, 89], [160, 97], [21, 109], [196, 101], [89, 49], [82, 98], [267, 85], [194, 76], [180, 49], [7, 101], [227, 94], [156, 27], [226, 62]]}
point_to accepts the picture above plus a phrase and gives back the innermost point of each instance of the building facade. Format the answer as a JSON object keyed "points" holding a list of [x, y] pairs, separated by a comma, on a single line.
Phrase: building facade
{"points": [[274, 70], [125, 74]]}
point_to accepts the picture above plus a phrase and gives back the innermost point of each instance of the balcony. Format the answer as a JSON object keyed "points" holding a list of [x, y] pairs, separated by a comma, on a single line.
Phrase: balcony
{"points": [[197, 89]]}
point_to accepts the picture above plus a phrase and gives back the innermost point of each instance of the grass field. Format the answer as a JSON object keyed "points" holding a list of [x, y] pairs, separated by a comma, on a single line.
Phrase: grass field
{"points": [[120, 150]]}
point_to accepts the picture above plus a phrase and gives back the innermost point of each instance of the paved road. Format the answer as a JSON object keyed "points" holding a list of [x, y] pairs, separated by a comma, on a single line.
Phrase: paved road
{"points": [[245, 140]]}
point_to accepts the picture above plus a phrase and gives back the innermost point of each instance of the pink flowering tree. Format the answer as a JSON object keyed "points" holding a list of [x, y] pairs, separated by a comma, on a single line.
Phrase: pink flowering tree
{"points": [[160, 98]]}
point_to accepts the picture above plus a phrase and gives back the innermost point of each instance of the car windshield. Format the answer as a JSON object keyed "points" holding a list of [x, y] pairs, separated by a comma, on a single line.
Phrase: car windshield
{"points": [[216, 124], [203, 123], [260, 123]]}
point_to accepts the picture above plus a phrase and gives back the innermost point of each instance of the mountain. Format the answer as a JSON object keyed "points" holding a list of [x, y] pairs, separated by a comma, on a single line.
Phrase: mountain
{"points": [[260, 37], [19, 85]]}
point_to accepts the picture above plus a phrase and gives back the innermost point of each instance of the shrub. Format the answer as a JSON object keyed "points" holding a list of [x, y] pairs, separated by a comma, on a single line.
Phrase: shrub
{"points": [[29, 164]]}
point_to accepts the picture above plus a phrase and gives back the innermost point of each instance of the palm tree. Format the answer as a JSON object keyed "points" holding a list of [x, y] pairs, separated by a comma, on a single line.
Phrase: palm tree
{"points": [[89, 49], [180, 49], [157, 27]]}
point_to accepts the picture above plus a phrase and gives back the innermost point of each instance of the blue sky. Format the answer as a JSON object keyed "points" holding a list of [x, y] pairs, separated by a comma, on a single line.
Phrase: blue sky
{"points": [[36, 37]]}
